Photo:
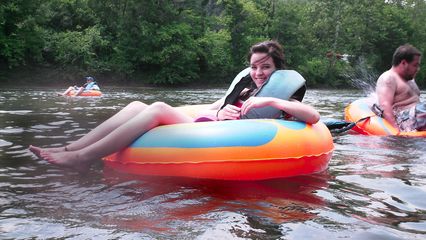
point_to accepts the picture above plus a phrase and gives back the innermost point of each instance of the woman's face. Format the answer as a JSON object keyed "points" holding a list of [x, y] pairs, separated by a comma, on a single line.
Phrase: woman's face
{"points": [[262, 66]]}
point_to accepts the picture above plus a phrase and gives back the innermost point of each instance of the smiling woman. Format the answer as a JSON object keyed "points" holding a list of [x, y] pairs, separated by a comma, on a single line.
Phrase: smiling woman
{"points": [[138, 118], [234, 149]]}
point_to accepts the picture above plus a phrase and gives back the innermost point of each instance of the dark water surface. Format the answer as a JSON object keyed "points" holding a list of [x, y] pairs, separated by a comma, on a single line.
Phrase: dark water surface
{"points": [[374, 188]]}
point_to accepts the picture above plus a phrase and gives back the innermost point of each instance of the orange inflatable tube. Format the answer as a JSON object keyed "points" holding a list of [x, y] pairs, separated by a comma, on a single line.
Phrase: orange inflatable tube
{"points": [[373, 124], [89, 93], [230, 150]]}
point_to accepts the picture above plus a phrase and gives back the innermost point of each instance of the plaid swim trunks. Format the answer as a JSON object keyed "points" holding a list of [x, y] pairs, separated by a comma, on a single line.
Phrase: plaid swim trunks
{"points": [[412, 119]]}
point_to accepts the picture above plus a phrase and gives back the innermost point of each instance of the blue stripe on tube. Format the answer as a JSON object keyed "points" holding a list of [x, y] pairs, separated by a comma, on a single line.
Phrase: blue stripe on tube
{"points": [[209, 134]]}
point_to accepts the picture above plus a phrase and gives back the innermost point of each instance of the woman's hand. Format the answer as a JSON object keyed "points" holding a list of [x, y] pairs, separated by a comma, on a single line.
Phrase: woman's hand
{"points": [[295, 108], [255, 102], [229, 112]]}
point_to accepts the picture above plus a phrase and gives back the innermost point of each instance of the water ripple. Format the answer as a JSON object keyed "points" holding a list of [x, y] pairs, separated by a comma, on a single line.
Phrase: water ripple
{"points": [[373, 189]]}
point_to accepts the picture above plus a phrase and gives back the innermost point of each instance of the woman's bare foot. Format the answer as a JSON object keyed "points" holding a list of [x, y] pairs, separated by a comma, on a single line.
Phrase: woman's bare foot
{"points": [[37, 150], [67, 159]]}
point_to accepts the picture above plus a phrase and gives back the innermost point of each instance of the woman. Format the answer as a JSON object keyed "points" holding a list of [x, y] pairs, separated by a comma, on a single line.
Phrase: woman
{"points": [[137, 118]]}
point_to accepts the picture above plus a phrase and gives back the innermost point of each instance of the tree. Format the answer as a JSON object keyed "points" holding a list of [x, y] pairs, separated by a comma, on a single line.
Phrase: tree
{"points": [[21, 37]]}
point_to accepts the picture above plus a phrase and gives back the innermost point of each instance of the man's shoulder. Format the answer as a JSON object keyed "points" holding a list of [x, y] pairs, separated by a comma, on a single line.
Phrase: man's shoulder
{"points": [[388, 77], [388, 73]]}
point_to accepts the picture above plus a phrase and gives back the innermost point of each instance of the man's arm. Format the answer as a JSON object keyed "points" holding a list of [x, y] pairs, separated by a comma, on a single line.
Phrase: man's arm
{"points": [[385, 90]]}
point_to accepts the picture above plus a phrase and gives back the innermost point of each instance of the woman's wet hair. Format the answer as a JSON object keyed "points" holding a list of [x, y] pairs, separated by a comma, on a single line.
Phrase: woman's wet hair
{"points": [[273, 49], [405, 52]]}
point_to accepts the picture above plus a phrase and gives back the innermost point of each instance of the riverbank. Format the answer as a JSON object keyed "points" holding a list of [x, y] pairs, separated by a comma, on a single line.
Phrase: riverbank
{"points": [[48, 76]]}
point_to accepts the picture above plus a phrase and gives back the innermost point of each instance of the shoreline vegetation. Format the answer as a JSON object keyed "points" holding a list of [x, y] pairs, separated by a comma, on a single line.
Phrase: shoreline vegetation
{"points": [[186, 42], [43, 76]]}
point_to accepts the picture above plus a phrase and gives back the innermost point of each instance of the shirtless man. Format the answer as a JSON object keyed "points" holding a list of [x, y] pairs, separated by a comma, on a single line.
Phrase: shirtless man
{"points": [[398, 94]]}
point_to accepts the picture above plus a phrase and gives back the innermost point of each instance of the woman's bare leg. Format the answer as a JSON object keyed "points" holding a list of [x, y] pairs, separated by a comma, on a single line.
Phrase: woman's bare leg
{"points": [[124, 115], [154, 115], [105, 128]]}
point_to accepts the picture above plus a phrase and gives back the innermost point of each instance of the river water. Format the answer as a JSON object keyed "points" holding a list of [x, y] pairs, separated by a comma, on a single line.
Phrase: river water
{"points": [[374, 188]]}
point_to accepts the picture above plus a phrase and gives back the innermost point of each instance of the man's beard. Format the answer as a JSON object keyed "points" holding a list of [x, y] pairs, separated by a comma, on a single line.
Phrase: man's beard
{"points": [[408, 77]]}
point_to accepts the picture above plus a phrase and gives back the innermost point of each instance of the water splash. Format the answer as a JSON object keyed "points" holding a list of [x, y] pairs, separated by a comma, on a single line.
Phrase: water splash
{"points": [[363, 77]]}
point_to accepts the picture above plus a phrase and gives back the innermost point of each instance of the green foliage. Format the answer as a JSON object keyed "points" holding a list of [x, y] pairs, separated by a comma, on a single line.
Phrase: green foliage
{"points": [[245, 22], [316, 69], [20, 34], [288, 29], [215, 52], [179, 42], [68, 15], [77, 48], [175, 53]]}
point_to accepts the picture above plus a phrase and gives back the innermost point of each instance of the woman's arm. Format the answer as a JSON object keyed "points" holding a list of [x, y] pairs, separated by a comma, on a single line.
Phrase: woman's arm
{"points": [[211, 110], [229, 112], [293, 107], [216, 105]]}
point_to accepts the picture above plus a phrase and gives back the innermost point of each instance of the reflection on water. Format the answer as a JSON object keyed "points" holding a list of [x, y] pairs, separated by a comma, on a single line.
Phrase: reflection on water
{"points": [[374, 188]]}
